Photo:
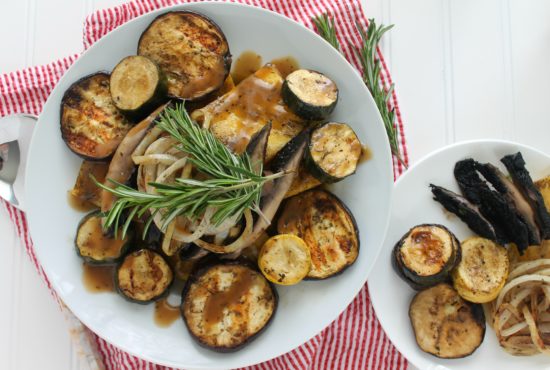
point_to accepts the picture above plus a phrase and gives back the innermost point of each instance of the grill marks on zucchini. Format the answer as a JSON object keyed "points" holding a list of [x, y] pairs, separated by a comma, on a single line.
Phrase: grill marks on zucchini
{"points": [[138, 86], [190, 49], [334, 152], [143, 276], [226, 305], [444, 324], [310, 94], [91, 126], [327, 227], [425, 255], [94, 246]]}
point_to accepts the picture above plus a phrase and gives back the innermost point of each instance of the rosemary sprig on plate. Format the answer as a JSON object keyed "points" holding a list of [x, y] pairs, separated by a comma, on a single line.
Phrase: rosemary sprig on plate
{"points": [[232, 185], [370, 39]]}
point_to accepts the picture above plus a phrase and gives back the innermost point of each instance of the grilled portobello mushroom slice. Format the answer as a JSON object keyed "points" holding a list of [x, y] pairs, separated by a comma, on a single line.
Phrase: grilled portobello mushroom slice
{"points": [[333, 153], [95, 246], [91, 125], [190, 49], [483, 270], [515, 164], [328, 228], [444, 324], [469, 213], [225, 305], [425, 255], [310, 94], [138, 86], [143, 276]]}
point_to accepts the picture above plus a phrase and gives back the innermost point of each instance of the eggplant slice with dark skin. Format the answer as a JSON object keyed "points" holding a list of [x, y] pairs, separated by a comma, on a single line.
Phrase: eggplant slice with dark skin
{"points": [[328, 228], [444, 324], [426, 255], [469, 213], [515, 164], [226, 305], [91, 125], [191, 50]]}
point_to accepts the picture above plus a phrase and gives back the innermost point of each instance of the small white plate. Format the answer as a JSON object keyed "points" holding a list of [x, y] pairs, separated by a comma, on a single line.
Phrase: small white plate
{"points": [[305, 309], [413, 205]]}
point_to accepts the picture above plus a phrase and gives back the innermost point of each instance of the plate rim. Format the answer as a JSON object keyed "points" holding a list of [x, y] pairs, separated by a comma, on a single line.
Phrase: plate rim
{"points": [[388, 158], [407, 173]]}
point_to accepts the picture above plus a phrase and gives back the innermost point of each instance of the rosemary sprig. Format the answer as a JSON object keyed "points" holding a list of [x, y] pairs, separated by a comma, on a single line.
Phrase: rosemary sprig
{"points": [[370, 63], [326, 28], [232, 185]]}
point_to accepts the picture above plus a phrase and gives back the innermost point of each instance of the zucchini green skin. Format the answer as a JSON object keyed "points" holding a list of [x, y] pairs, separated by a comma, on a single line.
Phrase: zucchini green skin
{"points": [[201, 268], [418, 282], [142, 302], [315, 169], [105, 261], [159, 96], [303, 109]]}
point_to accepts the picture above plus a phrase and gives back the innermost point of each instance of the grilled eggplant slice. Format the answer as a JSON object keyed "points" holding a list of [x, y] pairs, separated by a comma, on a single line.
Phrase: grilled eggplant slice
{"points": [[96, 247], [285, 259], [425, 255], [91, 126], [444, 324], [143, 276], [328, 228], [310, 94], [482, 272], [138, 86], [191, 50], [521, 177], [469, 213], [225, 305], [334, 152]]}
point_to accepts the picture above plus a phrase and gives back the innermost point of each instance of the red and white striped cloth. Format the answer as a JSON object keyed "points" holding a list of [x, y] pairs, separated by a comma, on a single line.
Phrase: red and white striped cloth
{"points": [[355, 340]]}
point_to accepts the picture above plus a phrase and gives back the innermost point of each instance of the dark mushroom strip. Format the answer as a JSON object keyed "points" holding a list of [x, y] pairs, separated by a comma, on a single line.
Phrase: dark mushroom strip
{"points": [[511, 192], [516, 167]]}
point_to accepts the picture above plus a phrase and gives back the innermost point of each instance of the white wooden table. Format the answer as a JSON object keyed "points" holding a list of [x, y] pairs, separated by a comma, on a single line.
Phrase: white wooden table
{"points": [[464, 69]]}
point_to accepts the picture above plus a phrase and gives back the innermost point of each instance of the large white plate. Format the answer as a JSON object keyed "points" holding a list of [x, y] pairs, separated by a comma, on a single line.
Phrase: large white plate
{"points": [[305, 309], [413, 205]]}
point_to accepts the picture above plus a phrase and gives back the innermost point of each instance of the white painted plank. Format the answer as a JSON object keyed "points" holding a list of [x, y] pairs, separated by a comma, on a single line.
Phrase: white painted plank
{"points": [[13, 28], [530, 64]]}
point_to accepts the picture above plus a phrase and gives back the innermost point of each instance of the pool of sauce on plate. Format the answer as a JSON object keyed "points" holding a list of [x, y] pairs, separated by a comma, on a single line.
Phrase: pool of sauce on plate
{"points": [[215, 303], [246, 64], [79, 204], [286, 65], [165, 313], [366, 154], [97, 279]]}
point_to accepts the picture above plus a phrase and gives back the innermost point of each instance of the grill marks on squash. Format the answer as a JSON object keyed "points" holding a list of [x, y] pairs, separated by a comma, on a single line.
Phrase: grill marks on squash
{"points": [[190, 49], [226, 305], [91, 126]]}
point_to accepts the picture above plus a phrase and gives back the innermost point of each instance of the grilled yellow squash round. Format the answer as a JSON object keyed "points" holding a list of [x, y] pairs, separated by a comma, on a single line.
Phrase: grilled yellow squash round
{"points": [[285, 259], [483, 270]]}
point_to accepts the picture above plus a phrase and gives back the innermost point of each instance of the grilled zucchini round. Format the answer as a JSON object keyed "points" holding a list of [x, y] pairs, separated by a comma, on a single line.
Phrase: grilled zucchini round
{"points": [[444, 324], [483, 270], [285, 259], [425, 255], [190, 49], [143, 276], [225, 305], [94, 246], [137, 86], [91, 125], [310, 94], [328, 228], [333, 153]]}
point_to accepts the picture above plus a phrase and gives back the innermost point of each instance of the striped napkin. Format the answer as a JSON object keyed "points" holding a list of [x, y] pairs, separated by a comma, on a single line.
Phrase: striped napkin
{"points": [[355, 340]]}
